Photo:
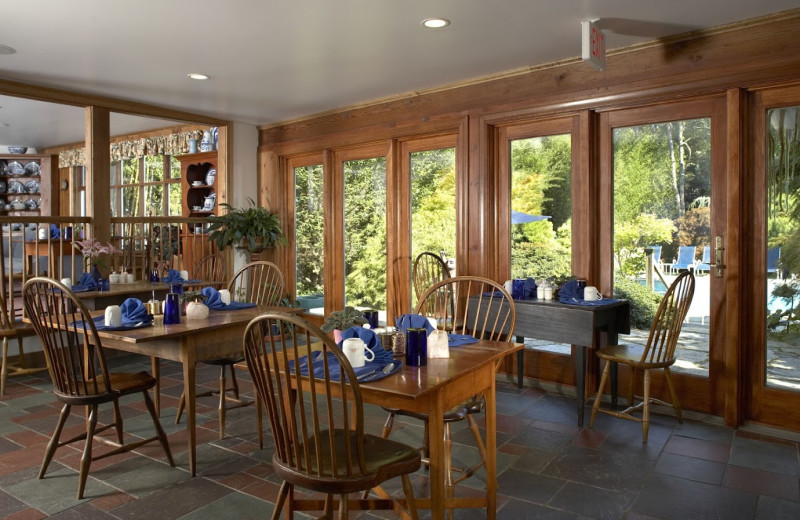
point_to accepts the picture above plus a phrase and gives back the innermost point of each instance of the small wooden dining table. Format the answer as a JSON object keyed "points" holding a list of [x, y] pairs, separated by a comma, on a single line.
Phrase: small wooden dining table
{"points": [[219, 335], [435, 388]]}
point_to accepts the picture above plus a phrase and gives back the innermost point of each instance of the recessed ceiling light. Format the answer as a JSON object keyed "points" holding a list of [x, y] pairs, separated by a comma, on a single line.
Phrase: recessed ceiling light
{"points": [[198, 76], [435, 23]]}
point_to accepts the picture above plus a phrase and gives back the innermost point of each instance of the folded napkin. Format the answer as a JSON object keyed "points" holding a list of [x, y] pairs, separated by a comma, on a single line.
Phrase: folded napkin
{"points": [[571, 294], [173, 275], [454, 340], [134, 316], [54, 231], [373, 342], [214, 301], [86, 283], [413, 321], [371, 371]]}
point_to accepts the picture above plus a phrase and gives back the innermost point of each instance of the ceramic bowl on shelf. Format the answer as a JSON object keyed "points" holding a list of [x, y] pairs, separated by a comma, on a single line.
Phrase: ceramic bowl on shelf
{"points": [[197, 208], [17, 204], [17, 149], [32, 168]]}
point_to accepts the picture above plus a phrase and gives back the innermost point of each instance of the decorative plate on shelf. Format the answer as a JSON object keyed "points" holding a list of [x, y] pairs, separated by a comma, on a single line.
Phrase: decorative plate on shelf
{"points": [[3, 165], [16, 187], [15, 168], [32, 168], [31, 204], [212, 173], [32, 187], [17, 204], [3, 187]]}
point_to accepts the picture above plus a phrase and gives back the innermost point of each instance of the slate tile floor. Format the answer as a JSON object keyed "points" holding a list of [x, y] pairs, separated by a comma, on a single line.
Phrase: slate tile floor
{"points": [[547, 467]]}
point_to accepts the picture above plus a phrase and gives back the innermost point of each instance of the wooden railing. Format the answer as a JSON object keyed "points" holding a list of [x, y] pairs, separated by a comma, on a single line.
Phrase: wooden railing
{"points": [[47, 246]]}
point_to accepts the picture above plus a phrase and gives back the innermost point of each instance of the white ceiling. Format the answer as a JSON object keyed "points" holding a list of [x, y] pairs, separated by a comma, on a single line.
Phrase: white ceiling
{"points": [[275, 60]]}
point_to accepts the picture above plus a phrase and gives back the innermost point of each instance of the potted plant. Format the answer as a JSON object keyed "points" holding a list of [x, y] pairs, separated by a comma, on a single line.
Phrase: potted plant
{"points": [[195, 308], [253, 228], [341, 320]]}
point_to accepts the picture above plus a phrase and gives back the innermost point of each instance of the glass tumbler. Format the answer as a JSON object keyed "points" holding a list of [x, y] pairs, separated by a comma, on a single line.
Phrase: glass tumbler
{"points": [[416, 347], [172, 309]]}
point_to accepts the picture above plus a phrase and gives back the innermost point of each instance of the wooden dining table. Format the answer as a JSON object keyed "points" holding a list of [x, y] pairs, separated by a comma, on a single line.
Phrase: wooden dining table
{"points": [[435, 388], [219, 335]]}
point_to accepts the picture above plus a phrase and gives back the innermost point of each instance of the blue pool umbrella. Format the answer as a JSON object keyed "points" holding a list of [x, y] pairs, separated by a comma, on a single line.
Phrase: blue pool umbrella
{"points": [[517, 217]]}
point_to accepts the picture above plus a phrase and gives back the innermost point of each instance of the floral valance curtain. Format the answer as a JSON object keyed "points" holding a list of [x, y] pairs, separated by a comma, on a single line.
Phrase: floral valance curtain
{"points": [[170, 144]]}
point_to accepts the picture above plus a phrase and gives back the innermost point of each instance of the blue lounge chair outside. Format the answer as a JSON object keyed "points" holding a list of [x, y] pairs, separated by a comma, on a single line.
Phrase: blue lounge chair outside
{"points": [[773, 255], [685, 258], [656, 254], [704, 264]]}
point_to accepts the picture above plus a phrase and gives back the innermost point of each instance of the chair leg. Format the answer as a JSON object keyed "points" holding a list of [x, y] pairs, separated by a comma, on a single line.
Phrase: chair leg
{"points": [[281, 500], [53, 444], [344, 514], [162, 436], [260, 421], [448, 466], [221, 411], [86, 459], [387, 427], [181, 406], [327, 511], [408, 490], [646, 406], [4, 369], [599, 396], [118, 422], [234, 382], [675, 404]]}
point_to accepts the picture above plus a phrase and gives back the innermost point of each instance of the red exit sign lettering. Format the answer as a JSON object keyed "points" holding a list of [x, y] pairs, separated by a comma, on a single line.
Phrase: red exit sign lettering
{"points": [[593, 48]]}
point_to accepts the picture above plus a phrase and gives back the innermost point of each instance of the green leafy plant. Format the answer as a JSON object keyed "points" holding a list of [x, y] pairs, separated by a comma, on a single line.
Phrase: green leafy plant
{"points": [[343, 319], [253, 227], [644, 302], [192, 296]]}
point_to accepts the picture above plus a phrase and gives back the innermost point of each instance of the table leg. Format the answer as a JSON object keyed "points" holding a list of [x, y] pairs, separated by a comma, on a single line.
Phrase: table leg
{"points": [[188, 360], [579, 353], [155, 369], [520, 360], [436, 446], [613, 339], [491, 451]]}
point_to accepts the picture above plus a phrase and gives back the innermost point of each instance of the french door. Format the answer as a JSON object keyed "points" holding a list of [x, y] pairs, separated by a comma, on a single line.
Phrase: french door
{"points": [[664, 187], [771, 290]]}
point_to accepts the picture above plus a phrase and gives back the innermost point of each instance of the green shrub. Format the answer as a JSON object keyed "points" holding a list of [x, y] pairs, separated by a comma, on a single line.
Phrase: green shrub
{"points": [[644, 301]]}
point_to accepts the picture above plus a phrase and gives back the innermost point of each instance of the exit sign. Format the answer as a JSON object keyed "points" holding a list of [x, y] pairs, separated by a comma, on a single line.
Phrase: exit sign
{"points": [[593, 48]]}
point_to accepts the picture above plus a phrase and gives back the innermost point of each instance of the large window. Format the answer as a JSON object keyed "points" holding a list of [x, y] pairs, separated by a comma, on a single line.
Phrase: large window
{"points": [[145, 187], [365, 232], [433, 209], [541, 207], [309, 238]]}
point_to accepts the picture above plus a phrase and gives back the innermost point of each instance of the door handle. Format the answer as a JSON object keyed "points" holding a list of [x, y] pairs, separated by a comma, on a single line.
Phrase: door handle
{"points": [[719, 256]]}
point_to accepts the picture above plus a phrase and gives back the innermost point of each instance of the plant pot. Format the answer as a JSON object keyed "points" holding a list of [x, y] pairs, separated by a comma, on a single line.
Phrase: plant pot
{"points": [[337, 336]]}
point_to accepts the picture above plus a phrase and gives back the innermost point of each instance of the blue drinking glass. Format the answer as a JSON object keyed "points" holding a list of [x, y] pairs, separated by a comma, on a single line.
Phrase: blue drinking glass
{"points": [[372, 318], [416, 347], [176, 288], [172, 309], [518, 289]]}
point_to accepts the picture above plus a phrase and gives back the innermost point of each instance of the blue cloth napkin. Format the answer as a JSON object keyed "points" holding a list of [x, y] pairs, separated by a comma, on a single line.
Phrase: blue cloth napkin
{"points": [[214, 301], [570, 294], [173, 275], [134, 316], [413, 321], [54, 231], [454, 340], [86, 283], [373, 342]]}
